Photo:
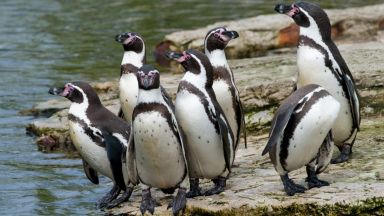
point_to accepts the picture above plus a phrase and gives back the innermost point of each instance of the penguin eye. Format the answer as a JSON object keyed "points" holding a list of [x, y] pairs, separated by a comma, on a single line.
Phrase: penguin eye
{"points": [[216, 34]]}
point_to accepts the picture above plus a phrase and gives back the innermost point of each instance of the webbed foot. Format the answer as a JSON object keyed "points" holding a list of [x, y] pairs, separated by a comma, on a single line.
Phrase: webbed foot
{"points": [[290, 187]]}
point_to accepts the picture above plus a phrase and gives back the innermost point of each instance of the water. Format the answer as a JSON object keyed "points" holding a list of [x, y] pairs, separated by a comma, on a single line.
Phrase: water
{"points": [[44, 43]]}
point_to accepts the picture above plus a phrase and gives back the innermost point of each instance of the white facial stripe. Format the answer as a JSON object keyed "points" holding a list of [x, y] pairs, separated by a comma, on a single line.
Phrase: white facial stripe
{"points": [[307, 97], [121, 138], [313, 32], [79, 110], [134, 58]]}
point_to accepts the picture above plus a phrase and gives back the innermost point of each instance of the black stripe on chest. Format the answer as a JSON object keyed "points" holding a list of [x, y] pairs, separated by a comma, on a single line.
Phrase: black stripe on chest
{"points": [[293, 122], [128, 68], [306, 41], [87, 130], [156, 107], [221, 73], [186, 86]]}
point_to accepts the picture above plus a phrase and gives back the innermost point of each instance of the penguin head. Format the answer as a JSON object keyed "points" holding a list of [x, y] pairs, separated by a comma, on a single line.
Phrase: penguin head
{"points": [[148, 77], [194, 62], [308, 16], [77, 92], [218, 38], [131, 41]]}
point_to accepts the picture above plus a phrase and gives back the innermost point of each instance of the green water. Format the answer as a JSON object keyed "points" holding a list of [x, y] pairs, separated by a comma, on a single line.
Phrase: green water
{"points": [[47, 42]]}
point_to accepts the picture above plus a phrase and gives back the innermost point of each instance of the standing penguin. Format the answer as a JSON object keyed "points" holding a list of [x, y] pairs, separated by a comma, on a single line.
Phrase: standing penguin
{"points": [[320, 62], [224, 85], [159, 150], [101, 138], [134, 57], [209, 138], [301, 135]]}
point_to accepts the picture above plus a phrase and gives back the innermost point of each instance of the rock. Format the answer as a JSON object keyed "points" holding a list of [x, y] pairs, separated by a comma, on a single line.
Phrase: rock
{"points": [[256, 186], [262, 33]]}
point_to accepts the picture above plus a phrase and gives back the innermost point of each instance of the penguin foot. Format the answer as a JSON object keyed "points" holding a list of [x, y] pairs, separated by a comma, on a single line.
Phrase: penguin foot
{"points": [[344, 156], [219, 187], [315, 182], [147, 202], [194, 189], [123, 198], [179, 202], [111, 195], [290, 187]]}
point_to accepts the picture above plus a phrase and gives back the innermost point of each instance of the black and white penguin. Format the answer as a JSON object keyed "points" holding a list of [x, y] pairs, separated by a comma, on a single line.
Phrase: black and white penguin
{"points": [[134, 57], [224, 85], [320, 62], [159, 150], [101, 138], [301, 135], [210, 142]]}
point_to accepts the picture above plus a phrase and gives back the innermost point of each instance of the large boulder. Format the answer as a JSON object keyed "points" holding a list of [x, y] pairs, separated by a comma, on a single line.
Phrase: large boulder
{"points": [[262, 33]]}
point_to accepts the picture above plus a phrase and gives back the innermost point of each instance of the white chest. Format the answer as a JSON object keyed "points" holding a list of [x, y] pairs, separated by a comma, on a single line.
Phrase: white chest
{"points": [[310, 134], [204, 148], [159, 156], [93, 154], [129, 88], [226, 101], [312, 69]]}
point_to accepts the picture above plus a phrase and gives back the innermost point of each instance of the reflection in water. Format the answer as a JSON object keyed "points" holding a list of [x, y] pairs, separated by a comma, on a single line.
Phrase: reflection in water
{"points": [[45, 43]]}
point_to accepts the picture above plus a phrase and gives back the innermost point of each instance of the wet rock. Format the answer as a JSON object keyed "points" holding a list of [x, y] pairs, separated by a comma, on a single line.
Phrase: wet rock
{"points": [[262, 33]]}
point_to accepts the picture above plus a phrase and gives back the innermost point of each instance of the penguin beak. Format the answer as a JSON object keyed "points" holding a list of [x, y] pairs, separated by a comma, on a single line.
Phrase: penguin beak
{"points": [[121, 38], [56, 91], [175, 56], [289, 10], [64, 92], [146, 81], [230, 34]]}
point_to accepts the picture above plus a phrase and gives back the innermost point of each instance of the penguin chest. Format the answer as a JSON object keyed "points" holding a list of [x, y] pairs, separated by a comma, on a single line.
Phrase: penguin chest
{"points": [[159, 157], [90, 151], [204, 149], [129, 89], [227, 102], [312, 69], [308, 134]]}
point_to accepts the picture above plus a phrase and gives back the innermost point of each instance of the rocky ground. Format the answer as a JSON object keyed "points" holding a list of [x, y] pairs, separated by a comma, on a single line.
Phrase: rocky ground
{"points": [[254, 186]]}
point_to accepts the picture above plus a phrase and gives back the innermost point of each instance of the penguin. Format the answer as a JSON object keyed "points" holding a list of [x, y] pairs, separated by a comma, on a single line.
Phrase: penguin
{"points": [[102, 140], [301, 135], [224, 85], [320, 62], [134, 57], [159, 144], [210, 143]]}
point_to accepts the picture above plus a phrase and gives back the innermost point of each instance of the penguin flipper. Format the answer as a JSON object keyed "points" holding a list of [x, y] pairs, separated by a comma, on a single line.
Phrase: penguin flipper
{"points": [[167, 98], [353, 99], [90, 173], [121, 114], [114, 151], [325, 153], [131, 162], [227, 140], [241, 123]]}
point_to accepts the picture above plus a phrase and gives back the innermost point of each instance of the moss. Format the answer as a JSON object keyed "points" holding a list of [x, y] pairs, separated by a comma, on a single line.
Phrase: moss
{"points": [[371, 206]]}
